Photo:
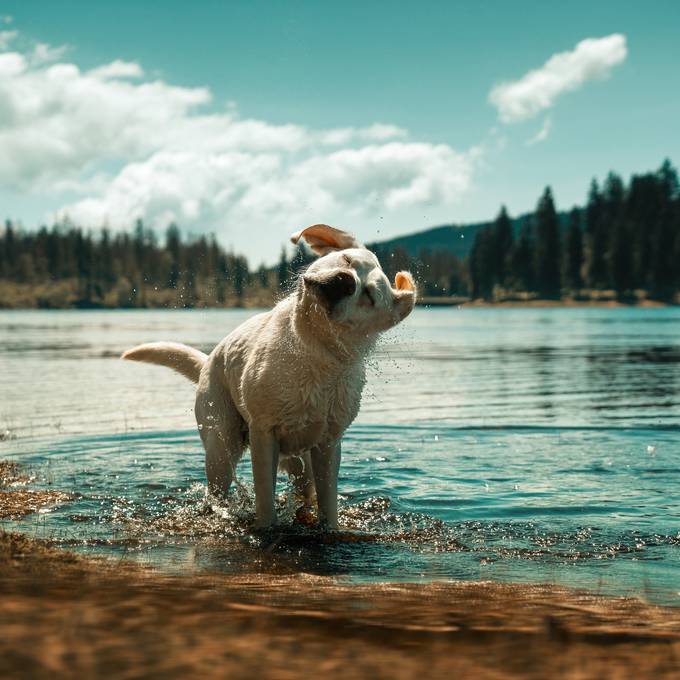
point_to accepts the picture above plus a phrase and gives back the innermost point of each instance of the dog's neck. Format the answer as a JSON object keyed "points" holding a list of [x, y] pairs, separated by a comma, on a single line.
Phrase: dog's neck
{"points": [[341, 344]]}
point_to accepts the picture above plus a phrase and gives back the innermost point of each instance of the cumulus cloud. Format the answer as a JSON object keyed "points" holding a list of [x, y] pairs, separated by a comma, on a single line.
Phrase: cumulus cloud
{"points": [[123, 147], [242, 188], [6, 38], [117, 69], [43, 53], [537, 90], [542, 134]]}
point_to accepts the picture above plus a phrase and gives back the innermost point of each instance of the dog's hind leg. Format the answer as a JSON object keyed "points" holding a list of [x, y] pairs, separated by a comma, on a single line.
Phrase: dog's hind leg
{"points": [[222, 433], [299, 468]]}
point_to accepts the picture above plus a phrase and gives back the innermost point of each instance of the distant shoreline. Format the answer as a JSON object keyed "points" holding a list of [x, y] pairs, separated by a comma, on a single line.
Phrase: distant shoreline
{"points": [[540, 303], [427, 302], [14, 296]]}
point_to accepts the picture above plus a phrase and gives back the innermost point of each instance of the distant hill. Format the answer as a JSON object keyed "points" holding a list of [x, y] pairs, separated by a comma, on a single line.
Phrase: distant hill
{"points": [[453, 238]]}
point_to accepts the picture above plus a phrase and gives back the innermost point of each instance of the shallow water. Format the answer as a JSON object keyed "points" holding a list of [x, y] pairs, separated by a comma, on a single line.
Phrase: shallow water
{"points": [[508, 444]]}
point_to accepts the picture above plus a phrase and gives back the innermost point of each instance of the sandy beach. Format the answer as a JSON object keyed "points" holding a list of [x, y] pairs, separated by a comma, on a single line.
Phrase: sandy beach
{"points": [[64, 615]]}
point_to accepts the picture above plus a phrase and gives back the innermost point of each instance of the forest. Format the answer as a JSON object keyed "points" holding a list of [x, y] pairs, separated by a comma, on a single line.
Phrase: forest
{"points": [[624, 243]]}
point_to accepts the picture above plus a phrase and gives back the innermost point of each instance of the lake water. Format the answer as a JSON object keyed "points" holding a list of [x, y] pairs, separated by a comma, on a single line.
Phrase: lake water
{"points": [[505, 444]]}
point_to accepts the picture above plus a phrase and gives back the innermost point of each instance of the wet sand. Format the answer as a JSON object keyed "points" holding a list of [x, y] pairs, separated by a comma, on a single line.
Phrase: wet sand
{"points": [[16, 500], [63, 615]]}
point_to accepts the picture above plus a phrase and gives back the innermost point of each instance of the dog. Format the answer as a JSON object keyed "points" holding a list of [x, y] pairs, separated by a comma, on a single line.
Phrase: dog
{"points": [[287, 383]]}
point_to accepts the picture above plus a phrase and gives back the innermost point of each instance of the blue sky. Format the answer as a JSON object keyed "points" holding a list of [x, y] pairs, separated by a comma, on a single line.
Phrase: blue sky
{"points": [[263, 114]]}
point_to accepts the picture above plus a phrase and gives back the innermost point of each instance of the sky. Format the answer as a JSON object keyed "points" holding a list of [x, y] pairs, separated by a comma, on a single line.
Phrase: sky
{"points": [[253, 119]]}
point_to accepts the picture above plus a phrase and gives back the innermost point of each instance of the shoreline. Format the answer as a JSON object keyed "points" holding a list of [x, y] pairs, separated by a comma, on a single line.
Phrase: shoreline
{"points": [[538, 303], [426, 301], [24, 297], [101, 618]]}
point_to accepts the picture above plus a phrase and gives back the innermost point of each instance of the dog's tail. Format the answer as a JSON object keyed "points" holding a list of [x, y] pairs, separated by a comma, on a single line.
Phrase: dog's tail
{"points": [[181, 358]]}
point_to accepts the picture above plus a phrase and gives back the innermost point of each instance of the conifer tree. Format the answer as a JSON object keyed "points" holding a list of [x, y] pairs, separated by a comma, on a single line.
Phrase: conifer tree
{"points": [[573, 252], [503, 247], [547, 249], [596, 239], [282, 271]]}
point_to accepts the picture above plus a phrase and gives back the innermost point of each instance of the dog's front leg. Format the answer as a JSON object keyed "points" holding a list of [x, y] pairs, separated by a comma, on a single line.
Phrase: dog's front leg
{"points": [[264, 452], [325, 465]]}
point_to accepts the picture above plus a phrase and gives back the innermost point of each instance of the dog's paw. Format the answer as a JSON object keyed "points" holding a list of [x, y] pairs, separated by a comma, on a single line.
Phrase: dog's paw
{"points": [[305, 515]]}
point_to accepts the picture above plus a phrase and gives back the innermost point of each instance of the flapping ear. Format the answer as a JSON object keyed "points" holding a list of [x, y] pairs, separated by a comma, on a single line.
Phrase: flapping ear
{"points": [[404, 281], [323, 239]]}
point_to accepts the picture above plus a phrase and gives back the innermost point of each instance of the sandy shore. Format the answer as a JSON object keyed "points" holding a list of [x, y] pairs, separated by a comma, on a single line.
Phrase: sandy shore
{"points": [[63, 615]]}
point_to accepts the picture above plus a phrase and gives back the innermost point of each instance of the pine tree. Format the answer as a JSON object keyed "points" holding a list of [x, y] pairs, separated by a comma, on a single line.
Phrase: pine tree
{"points": [[482, 264], [547, 253], [615, 235], [282, 271], [574, 252], [596, 239], [172, 245], [663, 263], [523, 258], [502, 247]]}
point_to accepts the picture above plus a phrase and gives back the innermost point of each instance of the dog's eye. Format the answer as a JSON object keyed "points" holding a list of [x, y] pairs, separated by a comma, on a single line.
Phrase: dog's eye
{"points": [[369, 297]]}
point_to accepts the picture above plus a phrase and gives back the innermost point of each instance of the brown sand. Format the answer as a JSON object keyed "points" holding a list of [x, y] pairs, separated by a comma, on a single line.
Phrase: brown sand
{"points": [[16, 500], [62, 615], [65, 616]]}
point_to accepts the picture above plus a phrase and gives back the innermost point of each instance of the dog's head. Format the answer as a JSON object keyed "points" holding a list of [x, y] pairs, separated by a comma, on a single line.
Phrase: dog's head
{"points": [[349, 283]]}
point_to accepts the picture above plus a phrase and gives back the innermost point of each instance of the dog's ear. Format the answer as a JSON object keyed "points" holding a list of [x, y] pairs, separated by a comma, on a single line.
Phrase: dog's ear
{"points": [[323, 239], [404, 281]]}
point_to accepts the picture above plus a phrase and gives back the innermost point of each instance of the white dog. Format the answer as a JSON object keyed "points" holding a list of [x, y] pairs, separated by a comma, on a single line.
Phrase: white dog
{"points": [[288, 382]]}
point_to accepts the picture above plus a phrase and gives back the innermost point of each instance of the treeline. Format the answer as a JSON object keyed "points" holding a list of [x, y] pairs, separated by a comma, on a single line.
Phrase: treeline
{"points": [[626, 239], [67, 267]]}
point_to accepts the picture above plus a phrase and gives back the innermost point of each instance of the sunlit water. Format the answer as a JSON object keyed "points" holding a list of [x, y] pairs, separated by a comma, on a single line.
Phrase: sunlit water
{"points": [[496, 444]]}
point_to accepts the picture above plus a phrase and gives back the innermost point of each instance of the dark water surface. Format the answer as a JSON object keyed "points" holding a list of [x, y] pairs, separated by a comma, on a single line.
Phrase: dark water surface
{"points": [[508, 444]]}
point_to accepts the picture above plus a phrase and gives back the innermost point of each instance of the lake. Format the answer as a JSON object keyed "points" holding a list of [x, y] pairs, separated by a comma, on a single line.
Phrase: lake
{"points": [[501, 444]]}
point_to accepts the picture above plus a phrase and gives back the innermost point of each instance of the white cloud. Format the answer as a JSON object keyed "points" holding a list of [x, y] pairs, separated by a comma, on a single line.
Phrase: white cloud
{"points": [[43, 53], [537, 90], [117, 69], [542, 134], [378, 132], [240, 189], [6, 38], [132, 147]]}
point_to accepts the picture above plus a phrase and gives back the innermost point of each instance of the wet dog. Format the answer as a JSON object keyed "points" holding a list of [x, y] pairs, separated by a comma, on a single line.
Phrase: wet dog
{"points": [[288, 383]]}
